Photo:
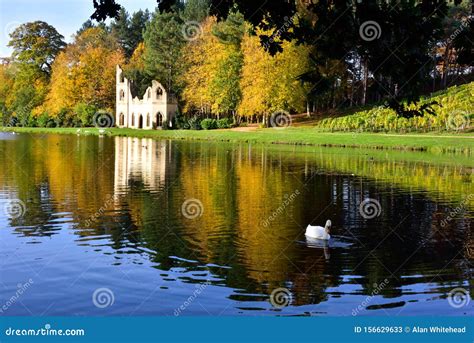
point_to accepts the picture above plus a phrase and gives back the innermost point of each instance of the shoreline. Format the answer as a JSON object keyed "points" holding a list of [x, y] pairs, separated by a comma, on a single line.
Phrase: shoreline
{"points": [[294, 136]]}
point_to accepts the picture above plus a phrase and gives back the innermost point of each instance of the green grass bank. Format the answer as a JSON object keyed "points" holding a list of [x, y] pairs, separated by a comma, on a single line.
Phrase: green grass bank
{"points": [[310, 136]]}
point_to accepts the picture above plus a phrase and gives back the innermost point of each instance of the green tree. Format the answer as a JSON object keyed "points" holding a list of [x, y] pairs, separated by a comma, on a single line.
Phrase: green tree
{"points": [[128, 30], [164, 40], [196, 10], [36, 43]]}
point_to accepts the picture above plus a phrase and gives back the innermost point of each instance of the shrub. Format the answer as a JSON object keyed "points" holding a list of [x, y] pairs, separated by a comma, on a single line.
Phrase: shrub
{"points": [[194, 123], [60, 119], [180, 122], [51, 123], [454, 113], [209, 124], [84, 113], [224, 123], [42, 119], [31, 121]]}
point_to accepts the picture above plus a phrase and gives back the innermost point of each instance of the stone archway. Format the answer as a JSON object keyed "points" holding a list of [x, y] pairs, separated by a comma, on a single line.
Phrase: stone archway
{"points": [[159, 120]]}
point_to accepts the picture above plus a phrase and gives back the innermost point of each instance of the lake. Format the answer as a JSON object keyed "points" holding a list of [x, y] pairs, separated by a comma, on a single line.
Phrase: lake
{"points": [[125, 226]]}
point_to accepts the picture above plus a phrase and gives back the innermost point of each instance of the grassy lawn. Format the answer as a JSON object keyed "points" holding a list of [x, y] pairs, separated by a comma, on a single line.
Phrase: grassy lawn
{"points": [[443, 142]]}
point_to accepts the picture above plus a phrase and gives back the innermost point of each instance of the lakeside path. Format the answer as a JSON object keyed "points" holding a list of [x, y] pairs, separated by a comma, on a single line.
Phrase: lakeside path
{"points": [[443, 142]]}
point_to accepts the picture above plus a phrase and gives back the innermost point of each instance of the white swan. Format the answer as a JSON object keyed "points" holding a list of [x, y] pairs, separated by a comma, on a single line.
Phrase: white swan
{"points": [[319, 232]]}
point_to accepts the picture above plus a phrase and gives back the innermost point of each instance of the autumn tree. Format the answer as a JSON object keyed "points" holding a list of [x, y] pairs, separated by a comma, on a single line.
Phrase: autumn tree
{"points": [[6, 84], [289, 92], [258, 74], [271, 83], [135, 72], [85, 72], [200, 58], [225, 86]]}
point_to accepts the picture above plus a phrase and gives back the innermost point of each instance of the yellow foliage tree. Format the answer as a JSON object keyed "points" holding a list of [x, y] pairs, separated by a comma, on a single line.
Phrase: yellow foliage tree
{"points": [[85, 72], [270, 83], [6, 84], [201, 57], [258, 74], [289, 93]]}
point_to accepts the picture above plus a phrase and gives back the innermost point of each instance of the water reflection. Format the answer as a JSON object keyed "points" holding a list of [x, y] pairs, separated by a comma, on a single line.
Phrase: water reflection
{"points": [[109, 211]]}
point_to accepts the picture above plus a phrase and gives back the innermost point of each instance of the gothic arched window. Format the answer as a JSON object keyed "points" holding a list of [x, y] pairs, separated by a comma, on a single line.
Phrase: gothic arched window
{"points": [[159, 93]]}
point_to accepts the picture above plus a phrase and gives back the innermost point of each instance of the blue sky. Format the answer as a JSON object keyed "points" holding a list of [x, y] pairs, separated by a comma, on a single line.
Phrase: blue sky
{"points": [[65, 15]]}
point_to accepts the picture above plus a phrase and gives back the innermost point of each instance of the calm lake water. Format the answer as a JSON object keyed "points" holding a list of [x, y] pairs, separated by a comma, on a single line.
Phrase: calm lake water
{"points": [[126, 226]]}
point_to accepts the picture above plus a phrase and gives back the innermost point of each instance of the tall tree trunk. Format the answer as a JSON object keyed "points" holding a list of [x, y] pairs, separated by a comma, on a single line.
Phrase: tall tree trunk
{"points": [[366, 77], [446, 66], [352, 89]]}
